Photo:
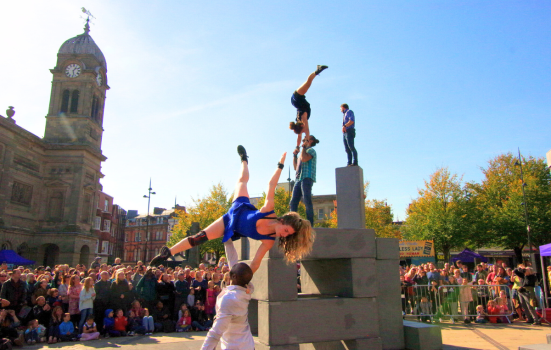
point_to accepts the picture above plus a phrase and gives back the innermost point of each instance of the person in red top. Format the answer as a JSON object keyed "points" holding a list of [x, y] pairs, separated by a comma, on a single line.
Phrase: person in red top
{"points": [[493, 310], [120, 323], [184, 323]]}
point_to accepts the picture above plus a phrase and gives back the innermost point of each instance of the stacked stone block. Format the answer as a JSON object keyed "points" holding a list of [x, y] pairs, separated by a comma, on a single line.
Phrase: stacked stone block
{"points": [[350, 285]]}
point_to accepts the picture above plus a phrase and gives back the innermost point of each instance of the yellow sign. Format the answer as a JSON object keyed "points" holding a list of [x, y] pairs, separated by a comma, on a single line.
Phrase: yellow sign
{"points": [[416, 249]]}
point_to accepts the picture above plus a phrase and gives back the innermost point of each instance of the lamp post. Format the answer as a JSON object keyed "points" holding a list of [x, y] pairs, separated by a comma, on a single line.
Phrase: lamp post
{"points": [[519, 164], [148, 196]]}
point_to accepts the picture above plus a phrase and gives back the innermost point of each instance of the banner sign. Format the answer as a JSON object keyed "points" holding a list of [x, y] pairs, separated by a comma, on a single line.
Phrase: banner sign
{"points": [[416, 248]]}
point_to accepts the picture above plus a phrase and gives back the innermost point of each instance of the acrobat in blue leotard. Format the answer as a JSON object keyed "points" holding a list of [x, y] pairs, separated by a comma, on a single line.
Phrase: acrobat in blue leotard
{"points": [[240, 221]]}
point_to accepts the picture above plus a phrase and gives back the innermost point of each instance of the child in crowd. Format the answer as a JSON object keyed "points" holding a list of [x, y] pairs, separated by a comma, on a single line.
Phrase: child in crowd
{"points": [[184, 323], [465, 298], [210, 301], [89, 330], [424, 307], [501, 304], [53, 298], [119, 329], [191, 297], [481, 315], [55, 322], [147, 322], [67, 329], [183, 308], [108, 323], [493, 310], [31, 333], [135, 322]]}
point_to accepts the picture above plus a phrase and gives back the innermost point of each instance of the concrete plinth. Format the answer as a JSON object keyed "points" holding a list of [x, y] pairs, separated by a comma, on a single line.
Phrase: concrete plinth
{"points": [[275, 272], [316, 320], [350, 197], [422, 336], [350, 278]]}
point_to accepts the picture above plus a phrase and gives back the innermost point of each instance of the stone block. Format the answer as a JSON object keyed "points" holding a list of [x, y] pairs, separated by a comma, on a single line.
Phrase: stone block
{"points": [[243, 246], [275, 280], [388, 249], [350, 197], [261, 346], [314, 320], [535, 347], [548, 335], [334, 243], [421, 336], [350, 278], [365, 343], [390, 304]]}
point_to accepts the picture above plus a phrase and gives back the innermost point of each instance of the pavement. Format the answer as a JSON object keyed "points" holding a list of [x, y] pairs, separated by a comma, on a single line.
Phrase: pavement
{"points": [[454, 336]]}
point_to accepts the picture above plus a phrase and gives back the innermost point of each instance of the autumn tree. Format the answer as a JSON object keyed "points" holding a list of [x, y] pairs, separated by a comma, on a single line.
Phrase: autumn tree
{"points": [[441, 213], [204, 211], [500, 202]]}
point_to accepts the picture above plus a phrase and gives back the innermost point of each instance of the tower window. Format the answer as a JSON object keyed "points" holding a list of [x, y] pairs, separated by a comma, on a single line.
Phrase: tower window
{"points": [[65, 102], [94, 108], [74, 101]]}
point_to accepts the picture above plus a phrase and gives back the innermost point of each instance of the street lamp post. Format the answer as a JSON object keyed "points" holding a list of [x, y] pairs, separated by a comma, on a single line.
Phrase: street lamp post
{"points": [[148, 196], [519, 164]]}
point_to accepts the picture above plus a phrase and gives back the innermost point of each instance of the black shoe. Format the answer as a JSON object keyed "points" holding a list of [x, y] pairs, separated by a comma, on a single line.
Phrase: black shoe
{"points": [[156, 261], [321, 69], [165, 252], [242, 153]]}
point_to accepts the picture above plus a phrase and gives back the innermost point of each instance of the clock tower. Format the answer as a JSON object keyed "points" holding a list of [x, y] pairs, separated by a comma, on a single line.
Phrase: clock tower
{"points": [[77, 100]]}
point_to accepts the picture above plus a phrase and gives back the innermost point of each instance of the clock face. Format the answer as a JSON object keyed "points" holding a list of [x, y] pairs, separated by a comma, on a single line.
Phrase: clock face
{"points": [[72, 70], [99, 79]]}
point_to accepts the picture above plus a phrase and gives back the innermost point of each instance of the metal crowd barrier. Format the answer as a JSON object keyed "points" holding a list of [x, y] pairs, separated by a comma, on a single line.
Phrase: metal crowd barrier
{"points": [[456, 302]]}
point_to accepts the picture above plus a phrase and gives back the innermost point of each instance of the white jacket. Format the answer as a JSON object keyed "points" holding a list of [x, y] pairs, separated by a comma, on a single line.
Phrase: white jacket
{"points": [[231, 325]]}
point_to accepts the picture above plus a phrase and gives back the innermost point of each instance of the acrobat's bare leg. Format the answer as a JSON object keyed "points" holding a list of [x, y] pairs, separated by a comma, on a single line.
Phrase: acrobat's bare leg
{"points": [[303, 89], [213, 231], [241, 186]]}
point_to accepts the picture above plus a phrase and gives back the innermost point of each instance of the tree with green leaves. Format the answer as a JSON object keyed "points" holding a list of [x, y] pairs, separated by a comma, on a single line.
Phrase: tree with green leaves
{"points": [[204, 211], [442, 213], [500, 202]]}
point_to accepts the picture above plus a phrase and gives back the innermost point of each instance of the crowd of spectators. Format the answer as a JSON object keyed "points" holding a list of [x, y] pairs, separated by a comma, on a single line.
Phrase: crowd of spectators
{"points": [[64, 303], [491, 293]]}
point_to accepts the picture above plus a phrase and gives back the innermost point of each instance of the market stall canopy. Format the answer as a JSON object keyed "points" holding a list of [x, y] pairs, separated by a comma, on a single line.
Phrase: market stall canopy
{"points": [[11, 257], [468, 256], [545, 250]]}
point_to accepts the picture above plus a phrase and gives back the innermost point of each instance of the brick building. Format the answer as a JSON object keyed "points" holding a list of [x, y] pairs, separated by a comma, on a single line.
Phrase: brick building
{"points": [[142, 241]]}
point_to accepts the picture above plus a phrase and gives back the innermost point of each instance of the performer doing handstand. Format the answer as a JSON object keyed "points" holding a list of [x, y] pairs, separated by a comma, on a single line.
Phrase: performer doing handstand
{"points": [[296, 235], [298, 100]]}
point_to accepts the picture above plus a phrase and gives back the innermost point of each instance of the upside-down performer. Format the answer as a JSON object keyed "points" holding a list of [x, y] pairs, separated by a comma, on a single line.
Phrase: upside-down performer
{"points": [[296, 235], [298, 100]]}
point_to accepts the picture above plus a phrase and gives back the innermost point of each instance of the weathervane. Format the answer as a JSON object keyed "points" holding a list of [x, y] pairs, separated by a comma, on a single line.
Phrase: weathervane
{"points": [[88, 16]]}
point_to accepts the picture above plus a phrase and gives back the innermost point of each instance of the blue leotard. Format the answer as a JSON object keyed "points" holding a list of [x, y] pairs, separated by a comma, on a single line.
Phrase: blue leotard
{"points": [[240, 221]]}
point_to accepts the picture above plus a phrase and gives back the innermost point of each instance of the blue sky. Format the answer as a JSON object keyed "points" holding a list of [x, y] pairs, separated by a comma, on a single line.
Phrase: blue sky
{"points": [[432, 84]]}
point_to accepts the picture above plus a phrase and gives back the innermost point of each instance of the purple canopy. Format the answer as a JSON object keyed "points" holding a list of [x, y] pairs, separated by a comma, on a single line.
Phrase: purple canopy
{"points": [[545, 250], [468, 255]]}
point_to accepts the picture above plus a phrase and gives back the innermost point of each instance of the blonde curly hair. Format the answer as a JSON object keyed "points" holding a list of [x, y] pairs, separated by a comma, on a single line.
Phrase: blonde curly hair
{"points": [[299, 244]]}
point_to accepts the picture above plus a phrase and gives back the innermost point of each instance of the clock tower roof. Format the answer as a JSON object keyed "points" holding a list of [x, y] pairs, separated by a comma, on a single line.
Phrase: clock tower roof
{"points": [[83, 44]]}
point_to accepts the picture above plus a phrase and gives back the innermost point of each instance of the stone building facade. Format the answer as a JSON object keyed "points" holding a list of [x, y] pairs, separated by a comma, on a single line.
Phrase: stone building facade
{"points": [[50, 187]]}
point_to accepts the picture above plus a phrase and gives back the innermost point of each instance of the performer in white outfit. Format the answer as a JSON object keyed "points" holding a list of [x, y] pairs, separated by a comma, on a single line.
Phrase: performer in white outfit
{"points": [[231, 325]]}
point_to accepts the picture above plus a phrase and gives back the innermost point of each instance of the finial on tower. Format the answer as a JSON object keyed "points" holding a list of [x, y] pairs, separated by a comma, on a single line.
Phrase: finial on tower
{"points": [[88, 16]]}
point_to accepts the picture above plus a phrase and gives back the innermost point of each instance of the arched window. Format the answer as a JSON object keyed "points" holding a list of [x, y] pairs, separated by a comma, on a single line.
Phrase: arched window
{"points": [[65, 102], [74, 101]]}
